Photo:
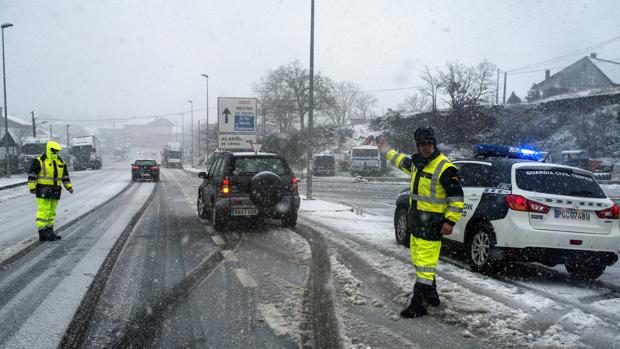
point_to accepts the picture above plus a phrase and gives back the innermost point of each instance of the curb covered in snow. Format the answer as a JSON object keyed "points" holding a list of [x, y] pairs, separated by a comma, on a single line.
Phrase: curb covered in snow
{"points": [[14, 185]]}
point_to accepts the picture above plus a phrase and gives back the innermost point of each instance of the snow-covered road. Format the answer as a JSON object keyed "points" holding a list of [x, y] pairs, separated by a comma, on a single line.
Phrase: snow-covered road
{"points": [[42, 291], [18, 207]]}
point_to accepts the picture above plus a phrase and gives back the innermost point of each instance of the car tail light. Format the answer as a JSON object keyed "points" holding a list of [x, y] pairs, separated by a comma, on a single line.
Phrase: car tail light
{"points": [[225, 187], [134, 167], [516, 202], [155, 168], [609, 213], [519, 203], [294, 182], [537, 207]]}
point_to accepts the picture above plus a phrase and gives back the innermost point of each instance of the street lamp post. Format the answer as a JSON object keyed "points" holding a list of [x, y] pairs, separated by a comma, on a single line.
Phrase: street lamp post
{"points": [[191, 128], [207, 134], [198, 139], [6, 113], [183, 135]]}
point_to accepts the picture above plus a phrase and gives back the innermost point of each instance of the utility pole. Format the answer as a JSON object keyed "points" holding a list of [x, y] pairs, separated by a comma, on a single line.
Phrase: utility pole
{"points": [[34, 126], [199, 139], [6, 112], [505, 78], [497, 89], [311, 103], [68, 143], [50, 131]]}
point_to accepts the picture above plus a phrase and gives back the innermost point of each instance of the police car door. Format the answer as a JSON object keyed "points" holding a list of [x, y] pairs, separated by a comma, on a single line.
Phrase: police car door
{"points": [[473, 180]]}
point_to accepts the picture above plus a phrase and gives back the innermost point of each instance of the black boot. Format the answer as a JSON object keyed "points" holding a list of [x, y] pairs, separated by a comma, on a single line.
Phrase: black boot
{"points": [[417, 307], [53, 235], [432, 298], [46, 234]]}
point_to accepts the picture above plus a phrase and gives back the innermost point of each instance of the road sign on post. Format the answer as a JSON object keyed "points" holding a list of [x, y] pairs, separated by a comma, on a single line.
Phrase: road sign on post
{"points": [[236, 122]]}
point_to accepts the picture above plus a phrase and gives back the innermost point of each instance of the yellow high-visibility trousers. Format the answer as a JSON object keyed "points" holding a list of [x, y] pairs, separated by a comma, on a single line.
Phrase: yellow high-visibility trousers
{"points": [[46, 212], [424, 257]]}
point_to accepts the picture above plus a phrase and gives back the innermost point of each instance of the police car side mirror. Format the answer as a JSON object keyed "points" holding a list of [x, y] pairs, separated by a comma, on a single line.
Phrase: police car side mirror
{"points": [[202, 175]]}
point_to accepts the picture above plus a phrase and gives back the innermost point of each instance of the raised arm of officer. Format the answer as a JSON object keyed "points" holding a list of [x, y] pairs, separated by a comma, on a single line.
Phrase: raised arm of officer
{"points": [[401, 161], [451, 182]]}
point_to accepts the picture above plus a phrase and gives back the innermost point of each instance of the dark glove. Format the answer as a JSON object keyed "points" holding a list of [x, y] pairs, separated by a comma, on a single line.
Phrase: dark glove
{"points": [[33, 191]]}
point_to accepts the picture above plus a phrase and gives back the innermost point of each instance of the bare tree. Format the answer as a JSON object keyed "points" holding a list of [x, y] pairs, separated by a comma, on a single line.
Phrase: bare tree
{"points": [[297, 80], [431, 86], [344, 96], [277, 100], [466, 86], [413, 104], [364, 106]]}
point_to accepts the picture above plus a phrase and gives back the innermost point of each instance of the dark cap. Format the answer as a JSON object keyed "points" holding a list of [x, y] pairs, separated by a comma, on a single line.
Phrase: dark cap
{"points": [[424, 134]]}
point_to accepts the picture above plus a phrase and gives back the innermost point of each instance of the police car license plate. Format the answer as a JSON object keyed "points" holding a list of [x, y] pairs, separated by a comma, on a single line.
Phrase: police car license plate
{"points": [[567, 213], [245, 212]]}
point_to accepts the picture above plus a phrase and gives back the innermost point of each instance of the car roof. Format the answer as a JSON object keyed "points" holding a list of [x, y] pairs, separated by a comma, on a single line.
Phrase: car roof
{"points": [[505, 164], [250, 153]]}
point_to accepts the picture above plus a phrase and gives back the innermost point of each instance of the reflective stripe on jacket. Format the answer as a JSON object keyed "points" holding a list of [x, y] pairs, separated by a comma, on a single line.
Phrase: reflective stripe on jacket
{"points": [[429, 195], [46, 172]]}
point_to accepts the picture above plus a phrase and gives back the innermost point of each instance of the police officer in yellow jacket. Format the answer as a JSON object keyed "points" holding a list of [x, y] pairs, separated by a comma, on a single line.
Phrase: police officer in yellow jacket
{"points": [[436, 204], [46, 174]]}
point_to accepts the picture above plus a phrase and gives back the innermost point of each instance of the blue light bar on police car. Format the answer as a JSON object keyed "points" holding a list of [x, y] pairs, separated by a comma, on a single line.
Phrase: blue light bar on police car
{"points": [[504, 151]]}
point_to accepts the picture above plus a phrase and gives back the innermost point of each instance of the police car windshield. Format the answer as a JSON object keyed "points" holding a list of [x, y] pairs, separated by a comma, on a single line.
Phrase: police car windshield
{"points": [[558, 181]]}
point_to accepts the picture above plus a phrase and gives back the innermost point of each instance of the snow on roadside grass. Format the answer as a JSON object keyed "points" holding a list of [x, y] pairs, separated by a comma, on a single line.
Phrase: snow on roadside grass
{"points": [[480, 315]]}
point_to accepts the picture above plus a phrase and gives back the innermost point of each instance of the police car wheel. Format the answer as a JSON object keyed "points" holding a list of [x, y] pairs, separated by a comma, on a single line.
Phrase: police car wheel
{"points": [[585, 270], [400, 226], [480, 247]]}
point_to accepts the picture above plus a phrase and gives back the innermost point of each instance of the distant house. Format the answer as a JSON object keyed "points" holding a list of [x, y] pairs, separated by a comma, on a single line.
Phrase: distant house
{"points": [[513, 99], [587, 73], [153, 134]]}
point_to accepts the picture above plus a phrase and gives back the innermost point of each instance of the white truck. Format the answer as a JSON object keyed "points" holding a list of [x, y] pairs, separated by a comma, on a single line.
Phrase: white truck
{"points": [[31, 148], [84, 153], [366, 160], [171, 155]]}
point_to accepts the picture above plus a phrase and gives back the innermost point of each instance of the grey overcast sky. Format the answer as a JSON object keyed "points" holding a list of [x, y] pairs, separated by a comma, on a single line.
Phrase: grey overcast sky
{"points": [[76, 59]]}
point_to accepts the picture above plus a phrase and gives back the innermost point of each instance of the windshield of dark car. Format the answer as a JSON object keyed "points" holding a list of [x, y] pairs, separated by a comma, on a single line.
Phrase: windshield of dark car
{"points": [[248, 165], [145, 162]]}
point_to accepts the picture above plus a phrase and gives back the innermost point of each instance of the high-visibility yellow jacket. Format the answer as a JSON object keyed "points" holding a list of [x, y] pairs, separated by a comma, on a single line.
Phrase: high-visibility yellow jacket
{"points": [[436, 193], [46, 176]]}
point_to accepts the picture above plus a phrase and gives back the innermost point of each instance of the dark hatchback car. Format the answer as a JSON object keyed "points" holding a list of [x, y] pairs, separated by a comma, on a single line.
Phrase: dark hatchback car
{"points": [[248, 185], [145, 170]]}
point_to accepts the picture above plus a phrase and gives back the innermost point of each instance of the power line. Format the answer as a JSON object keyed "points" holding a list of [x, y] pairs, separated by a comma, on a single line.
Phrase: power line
{"points": [[568, 55], [395, 89], [129, 118]]}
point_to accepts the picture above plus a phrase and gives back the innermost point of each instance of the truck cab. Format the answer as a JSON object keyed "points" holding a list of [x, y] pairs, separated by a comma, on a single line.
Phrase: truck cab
{"points": [[367, 160]]}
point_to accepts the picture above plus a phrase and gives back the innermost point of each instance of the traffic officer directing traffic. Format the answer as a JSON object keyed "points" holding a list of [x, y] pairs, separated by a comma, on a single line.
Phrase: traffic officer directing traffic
{"points": [[44, 178], [435, 205]]}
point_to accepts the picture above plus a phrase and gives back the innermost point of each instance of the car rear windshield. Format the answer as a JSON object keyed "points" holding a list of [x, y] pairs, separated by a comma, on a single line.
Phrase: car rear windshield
{"points": [[146, 162], [250, 165], [558, 181]]}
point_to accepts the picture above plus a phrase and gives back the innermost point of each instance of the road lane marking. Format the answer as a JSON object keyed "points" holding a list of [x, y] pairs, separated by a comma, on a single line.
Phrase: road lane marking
{"points": [[229, 256], [245, 278], [218, 240], [274, 319]]}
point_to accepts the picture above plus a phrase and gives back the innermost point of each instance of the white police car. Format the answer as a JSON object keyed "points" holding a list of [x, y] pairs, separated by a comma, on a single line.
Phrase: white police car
{"points": [[517, 208]]}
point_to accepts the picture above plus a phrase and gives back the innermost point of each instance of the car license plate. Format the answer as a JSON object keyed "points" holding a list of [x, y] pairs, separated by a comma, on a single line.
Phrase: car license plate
{"points": [[567, 213], [245, 212]]}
